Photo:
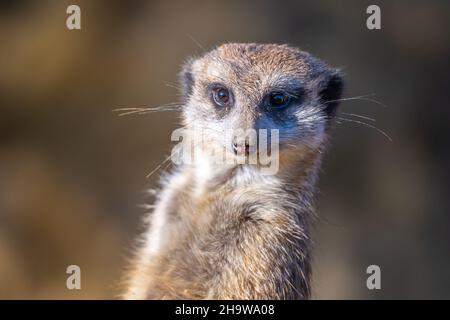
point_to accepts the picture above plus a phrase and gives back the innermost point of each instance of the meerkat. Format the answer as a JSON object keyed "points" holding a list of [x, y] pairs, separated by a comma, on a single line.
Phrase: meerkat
{"points": [[228, 231]]}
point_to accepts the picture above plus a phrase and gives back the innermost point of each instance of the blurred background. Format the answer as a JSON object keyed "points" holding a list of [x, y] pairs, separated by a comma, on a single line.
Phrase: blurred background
{"points": [[73, 173]]}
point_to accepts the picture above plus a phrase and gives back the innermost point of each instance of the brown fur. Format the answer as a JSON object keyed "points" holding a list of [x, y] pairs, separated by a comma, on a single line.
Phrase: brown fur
{"points": [[237, 234]]}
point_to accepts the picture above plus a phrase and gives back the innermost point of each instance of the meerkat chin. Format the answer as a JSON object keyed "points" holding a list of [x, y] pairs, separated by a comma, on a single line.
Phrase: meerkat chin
{"points": [[231, 231]]}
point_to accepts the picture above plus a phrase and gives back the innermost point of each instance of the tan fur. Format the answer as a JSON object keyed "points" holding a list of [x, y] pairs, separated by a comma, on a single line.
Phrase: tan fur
{"points": [[230, 232]]}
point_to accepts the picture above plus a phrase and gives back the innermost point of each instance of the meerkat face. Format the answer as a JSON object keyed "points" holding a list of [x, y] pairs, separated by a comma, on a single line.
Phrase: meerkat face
{"points": [[238, 87]]}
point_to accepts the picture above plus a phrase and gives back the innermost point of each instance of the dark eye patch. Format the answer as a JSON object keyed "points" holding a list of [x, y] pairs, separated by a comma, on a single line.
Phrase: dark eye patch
{"points": [[220, 95], [297, 95], [278, 99]]}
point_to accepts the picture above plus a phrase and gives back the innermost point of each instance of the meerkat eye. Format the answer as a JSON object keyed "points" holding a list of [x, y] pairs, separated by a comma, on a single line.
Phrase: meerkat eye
{"points": [[278, 99], [221, 96]]}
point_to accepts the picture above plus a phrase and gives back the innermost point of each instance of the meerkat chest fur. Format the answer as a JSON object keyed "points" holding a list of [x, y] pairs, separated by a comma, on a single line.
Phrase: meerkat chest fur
{"points": [[212, 224]]}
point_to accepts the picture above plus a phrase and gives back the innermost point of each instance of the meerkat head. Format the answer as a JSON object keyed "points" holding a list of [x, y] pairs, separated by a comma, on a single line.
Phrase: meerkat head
{"points": [[260, 86]]}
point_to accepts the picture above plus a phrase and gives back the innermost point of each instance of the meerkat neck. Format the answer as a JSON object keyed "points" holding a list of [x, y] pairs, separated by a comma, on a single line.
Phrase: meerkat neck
{"points": [[300, 174], [296, 175]]}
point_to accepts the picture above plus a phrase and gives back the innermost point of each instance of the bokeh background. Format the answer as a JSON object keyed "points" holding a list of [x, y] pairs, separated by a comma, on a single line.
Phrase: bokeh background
{"points": [[73, 173]]}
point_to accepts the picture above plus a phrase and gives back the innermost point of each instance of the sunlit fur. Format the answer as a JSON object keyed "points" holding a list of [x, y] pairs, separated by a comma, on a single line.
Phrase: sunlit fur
{"points": [[228, 231]]}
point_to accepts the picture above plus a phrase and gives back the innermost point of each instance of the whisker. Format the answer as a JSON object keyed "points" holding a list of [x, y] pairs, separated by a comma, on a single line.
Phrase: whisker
{"points": [[359, 98], [158, 167], [144, 110], [173, 85], [359, 116], [368, 125], [198, 44]]}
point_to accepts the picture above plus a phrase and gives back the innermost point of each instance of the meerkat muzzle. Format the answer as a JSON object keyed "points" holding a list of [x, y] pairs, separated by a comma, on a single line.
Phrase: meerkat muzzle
{"points": [[241, 148]]}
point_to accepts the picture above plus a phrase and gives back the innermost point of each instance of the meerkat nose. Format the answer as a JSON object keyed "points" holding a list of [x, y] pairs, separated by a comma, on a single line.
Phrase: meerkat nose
{"points": [[241, 148]]}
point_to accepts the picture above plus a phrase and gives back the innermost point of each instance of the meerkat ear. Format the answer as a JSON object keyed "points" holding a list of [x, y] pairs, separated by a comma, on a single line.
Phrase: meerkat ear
{"points": [[186, 79], [331, 92]]}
